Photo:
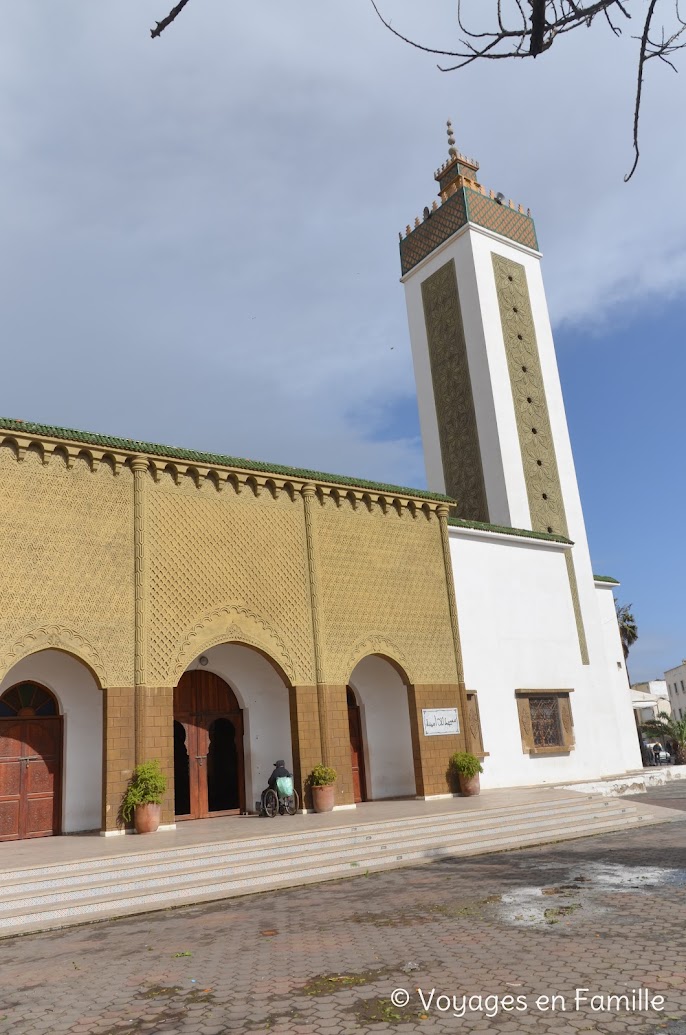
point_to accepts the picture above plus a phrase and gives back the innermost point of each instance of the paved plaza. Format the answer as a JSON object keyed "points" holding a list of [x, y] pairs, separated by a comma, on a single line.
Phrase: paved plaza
{"points": [[606, 914]]}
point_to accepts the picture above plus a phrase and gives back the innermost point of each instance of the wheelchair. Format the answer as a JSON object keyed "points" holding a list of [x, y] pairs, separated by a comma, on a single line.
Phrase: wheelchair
{"points": [[277, 803]]}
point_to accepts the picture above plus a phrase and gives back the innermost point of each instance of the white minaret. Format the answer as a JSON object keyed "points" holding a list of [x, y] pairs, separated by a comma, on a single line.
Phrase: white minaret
{"points": [[492, 417]]}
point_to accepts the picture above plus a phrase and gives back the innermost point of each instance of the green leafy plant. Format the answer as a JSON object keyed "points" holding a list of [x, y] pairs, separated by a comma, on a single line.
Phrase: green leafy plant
{"points": [[322, 776], [146, 787], [669, 726], [465, 764]]}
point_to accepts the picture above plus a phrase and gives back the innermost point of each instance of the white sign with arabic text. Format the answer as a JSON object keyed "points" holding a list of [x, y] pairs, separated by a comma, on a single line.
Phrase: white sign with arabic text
{"points": [[440, 721]]}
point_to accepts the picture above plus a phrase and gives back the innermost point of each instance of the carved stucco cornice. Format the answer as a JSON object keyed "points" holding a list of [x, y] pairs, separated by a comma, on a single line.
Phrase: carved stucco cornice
{"points": [[360, 496], [55, 637], [233, 623], [378, 644]]}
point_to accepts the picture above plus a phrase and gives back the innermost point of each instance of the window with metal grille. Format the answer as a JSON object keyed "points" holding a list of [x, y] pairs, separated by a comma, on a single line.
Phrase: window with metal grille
{"points": [[545, 721]]}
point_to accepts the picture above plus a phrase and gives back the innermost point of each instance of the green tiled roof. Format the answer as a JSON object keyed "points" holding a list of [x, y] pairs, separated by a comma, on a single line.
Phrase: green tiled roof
{"points": [[525, 532], [606, 578], [192, 455]]}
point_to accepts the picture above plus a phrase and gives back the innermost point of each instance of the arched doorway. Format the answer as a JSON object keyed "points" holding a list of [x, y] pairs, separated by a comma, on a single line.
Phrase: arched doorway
{"points": [[208, 748], [382, 709], [356, 748], [30, 762]]}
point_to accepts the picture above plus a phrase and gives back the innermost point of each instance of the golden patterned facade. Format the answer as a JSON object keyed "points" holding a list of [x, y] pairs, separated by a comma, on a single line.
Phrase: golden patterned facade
{"points": [[138, 561]]}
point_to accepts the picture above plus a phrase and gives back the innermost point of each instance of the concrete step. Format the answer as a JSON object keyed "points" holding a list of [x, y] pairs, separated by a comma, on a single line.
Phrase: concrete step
{"points": [[304, 840], [146, 881], [218, 867], [230, 856], [119, 904]]}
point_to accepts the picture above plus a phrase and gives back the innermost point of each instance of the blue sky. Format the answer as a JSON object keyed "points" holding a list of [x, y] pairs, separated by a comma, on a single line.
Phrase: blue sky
{"points": [[624, 393], [200, 244]]}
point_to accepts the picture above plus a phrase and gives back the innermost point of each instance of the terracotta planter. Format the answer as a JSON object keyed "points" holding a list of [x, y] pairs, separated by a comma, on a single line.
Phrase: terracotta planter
{"points": [[146, 818], [469, 785], [323, 798]]}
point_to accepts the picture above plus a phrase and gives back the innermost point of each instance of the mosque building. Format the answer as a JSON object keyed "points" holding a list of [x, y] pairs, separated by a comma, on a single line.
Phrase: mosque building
{"points": [[218, 614]]}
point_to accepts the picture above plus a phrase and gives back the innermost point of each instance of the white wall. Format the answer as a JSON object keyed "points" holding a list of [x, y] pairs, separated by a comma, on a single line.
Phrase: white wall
{"points": [[676, 687], [80, 702], [263, 697], [385, 713], [518, 631], [617, 678]]}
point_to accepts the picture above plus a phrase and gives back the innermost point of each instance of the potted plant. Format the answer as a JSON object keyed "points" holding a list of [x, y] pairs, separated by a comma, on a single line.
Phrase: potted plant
{"points": [[467, 768], [321, 782], [143, 798]]}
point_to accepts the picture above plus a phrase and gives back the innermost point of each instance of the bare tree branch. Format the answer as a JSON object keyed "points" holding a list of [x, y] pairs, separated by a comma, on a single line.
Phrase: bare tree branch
{"points": [[643, 57], [530, 28], [173, 14], [537, 26]]}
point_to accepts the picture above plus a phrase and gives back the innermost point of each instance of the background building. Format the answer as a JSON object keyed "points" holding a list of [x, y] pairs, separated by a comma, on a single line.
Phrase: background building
{"points": [[676, 681], [650, 698]]}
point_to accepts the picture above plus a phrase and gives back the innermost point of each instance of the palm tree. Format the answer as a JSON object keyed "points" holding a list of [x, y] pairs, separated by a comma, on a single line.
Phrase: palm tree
{"points": [[664, 725], [628, 630]]}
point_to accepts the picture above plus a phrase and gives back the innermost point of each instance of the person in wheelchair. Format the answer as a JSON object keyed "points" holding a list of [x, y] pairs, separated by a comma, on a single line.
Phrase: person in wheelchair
{"points": [[281, 780], [280, 795]]}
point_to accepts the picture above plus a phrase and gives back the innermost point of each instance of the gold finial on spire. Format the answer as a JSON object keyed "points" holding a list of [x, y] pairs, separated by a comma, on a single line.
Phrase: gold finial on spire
{"points": [[451, 140]]}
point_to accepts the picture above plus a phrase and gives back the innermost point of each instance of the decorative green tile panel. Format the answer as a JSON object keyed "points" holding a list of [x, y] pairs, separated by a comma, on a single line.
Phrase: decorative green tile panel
{"points": [[465, 205], [539, 461], [452, 390]]}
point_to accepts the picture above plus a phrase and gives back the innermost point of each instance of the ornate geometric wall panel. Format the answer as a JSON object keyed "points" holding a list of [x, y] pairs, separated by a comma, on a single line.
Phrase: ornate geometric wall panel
{"points": [[531, 411], [67, 558], [216, 554], [440, 225], [382, 578], [452, 388], [462, 207], [216, 565], [507, 221]]}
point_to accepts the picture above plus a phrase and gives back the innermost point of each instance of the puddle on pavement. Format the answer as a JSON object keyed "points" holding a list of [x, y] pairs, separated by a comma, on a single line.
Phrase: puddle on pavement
{"points": [[577, 896], [616, 877]]}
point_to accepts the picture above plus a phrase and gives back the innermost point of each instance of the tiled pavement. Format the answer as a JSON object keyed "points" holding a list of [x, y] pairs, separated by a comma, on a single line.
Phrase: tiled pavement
{"points": [[605, 913]]}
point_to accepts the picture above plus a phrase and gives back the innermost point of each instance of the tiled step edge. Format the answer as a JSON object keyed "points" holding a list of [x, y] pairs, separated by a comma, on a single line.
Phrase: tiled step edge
{"points": [[354, 855], [150, 903]]}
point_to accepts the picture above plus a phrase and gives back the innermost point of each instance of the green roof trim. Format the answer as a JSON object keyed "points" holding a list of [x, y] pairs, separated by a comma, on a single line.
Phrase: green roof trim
{"points": [[179, 453], [606, 578], [526, 533]]}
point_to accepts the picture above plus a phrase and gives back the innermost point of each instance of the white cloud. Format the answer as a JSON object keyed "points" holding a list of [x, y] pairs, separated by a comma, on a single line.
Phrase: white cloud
{"points": [[200, 231]]}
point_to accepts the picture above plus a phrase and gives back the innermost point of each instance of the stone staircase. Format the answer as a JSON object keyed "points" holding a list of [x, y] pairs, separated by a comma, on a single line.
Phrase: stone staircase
{"points": [[61, 894]]}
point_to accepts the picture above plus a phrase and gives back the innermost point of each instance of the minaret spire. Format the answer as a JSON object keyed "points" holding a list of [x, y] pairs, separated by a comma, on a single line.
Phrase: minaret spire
{"points": [[451, 140]]}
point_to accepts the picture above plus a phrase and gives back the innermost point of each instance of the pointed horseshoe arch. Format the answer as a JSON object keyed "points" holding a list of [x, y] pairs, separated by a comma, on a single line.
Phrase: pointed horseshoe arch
{"points": [[56, 637], [237, 624], [385, 648]]}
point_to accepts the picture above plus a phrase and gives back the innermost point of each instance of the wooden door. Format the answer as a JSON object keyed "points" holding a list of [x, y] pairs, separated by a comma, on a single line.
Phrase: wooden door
{"points": [[208, 748], [30, 777], [356, 748]]}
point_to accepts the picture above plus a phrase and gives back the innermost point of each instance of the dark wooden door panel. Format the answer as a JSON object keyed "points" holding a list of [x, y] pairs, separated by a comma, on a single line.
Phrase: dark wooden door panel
{"points": [[200, 699], [10, 777], [40, 816], [11, 770], [11, 738], [183, 695], [9, 819], [356, 749], [30, 777]]}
